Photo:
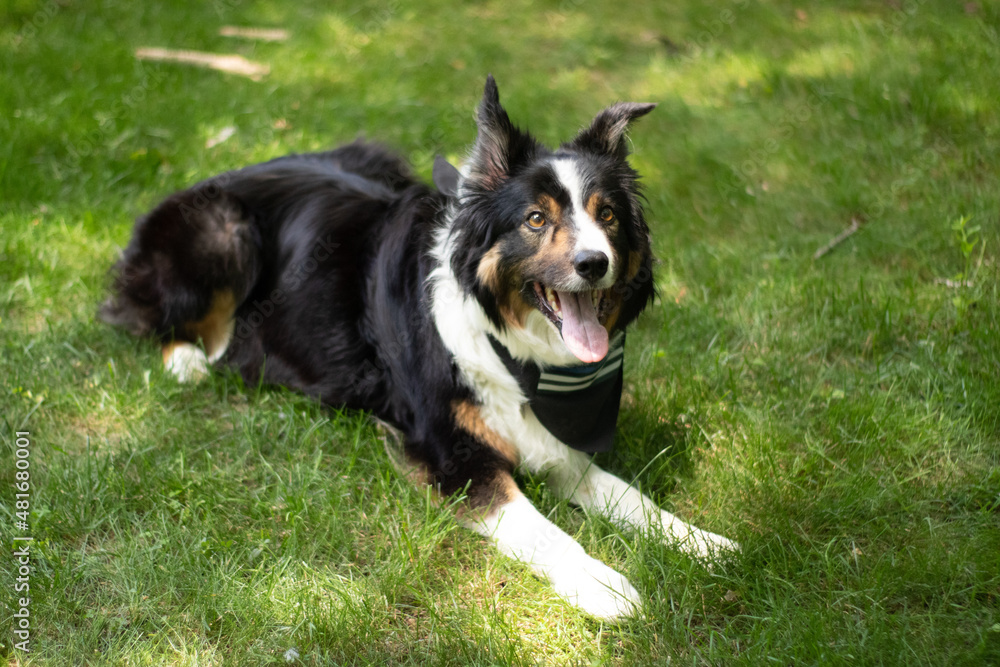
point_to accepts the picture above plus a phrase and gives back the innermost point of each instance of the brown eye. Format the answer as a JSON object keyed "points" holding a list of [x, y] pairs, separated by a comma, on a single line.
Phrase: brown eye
{"points": [[606, 214], [535, 220]]}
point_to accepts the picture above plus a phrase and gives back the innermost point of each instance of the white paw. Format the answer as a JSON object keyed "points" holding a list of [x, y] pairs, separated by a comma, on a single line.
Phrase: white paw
{"points": [[707, 546], [699, 543], [595, 588], [186, 362], [520, 531]]}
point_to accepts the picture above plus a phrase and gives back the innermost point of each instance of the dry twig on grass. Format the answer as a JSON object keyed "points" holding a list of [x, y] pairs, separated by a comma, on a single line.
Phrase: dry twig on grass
{"points": [[837, 240], [226, 62], [264, 34]]}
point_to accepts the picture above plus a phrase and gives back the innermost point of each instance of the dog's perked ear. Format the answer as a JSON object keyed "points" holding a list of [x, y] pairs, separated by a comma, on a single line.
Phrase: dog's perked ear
{"points": [[499, 146], [606, 135]]}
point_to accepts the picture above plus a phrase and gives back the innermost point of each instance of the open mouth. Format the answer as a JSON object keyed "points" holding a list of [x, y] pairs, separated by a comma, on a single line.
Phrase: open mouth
{"points": [[577, 315]]}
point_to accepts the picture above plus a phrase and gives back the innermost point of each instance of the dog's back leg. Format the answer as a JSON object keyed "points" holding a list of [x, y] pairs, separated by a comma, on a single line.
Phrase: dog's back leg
{"points": [[186, 360], [189, 265]]}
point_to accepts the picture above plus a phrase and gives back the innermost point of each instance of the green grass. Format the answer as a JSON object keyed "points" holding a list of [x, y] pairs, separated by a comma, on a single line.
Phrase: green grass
{"points": [[840, 417]]}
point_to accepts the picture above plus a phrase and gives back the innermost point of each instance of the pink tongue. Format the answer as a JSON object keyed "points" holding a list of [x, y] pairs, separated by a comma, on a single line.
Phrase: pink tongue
{"points": [[582, 333]]}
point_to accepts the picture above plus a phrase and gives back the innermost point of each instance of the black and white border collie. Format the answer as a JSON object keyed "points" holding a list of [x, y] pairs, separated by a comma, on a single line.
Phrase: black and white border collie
{"points": [[342, 276]]}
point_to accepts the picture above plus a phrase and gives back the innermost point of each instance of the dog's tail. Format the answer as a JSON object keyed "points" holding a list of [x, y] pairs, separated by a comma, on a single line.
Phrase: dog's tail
{"points": [[195, 257]]}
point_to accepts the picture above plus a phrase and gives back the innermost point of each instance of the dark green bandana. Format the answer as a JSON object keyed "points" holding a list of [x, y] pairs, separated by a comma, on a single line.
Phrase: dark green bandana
{"points": [[576, 404]]}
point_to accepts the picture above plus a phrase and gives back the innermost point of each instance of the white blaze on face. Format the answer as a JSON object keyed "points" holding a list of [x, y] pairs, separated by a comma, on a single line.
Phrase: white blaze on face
{"points": [[582, 331], [590, 235]]}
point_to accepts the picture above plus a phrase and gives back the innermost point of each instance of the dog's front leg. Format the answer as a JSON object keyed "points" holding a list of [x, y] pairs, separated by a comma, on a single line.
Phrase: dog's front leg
{"points": [[481, 464], [583, 483], [520, 531]]}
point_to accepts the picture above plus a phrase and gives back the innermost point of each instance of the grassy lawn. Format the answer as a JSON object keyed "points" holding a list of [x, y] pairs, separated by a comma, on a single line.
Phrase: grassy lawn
{"points": [[839, 416]]}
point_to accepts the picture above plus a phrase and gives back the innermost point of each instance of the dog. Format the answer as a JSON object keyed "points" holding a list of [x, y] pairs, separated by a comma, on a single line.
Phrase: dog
{"points": [[482, 319]]}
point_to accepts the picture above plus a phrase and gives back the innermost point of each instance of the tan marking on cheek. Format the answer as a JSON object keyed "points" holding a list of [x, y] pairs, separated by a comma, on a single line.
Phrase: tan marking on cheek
{"points": [[562, 251], [469, 418], [513, 308], [488, 271], [215, 329], [634, 264], [561, 244], [511, 304], [554, 256]]}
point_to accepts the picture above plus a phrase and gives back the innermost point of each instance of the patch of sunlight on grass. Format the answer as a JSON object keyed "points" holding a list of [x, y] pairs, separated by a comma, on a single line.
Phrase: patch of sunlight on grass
{"points": [[823, 61], [190, 649], [306, 591], [966, 100], [343, 33], [705, 82]]}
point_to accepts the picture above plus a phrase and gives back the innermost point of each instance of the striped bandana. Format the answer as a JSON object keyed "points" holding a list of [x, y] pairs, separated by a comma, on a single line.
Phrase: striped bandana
{"points": [[576, 404]]}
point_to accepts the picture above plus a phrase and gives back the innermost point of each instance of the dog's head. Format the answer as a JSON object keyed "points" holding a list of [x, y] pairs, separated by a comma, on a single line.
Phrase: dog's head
{"points": [[554, 240]]}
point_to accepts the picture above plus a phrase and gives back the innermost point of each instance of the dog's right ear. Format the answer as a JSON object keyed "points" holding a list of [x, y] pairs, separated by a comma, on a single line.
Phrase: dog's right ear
{"points": [[499, 146], [607, 133]]}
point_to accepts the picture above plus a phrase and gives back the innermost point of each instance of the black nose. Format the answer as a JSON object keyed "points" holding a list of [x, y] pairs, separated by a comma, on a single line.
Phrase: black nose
{"points": [[591, 264]]}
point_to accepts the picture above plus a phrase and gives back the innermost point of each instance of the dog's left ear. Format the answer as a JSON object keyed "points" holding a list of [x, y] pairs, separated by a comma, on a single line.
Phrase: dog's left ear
{"points": [[607, 133], [500, 146]]}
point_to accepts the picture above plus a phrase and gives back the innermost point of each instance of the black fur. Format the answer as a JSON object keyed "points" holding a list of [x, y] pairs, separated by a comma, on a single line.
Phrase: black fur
{"points": [[328, 258]]}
